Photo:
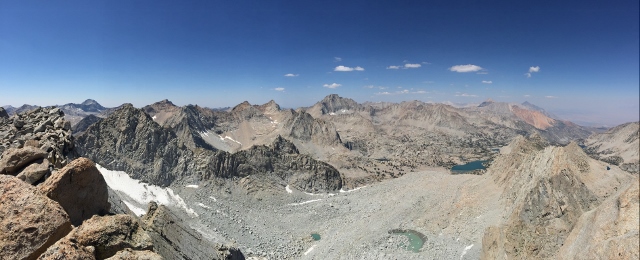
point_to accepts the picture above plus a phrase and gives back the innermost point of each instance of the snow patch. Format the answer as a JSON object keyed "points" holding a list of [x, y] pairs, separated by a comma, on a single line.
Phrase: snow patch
{"points": [[288, 189], [154, 117], [143, 193], [343, 191], [214, 199], [192, 186], [464, 252], [228, 137], [136, 210], [202, 205], [304, 202], [309, 250]]}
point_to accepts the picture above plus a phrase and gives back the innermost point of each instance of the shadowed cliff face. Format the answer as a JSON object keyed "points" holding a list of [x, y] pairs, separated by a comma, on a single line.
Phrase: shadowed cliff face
{"points": [[129, 140]]}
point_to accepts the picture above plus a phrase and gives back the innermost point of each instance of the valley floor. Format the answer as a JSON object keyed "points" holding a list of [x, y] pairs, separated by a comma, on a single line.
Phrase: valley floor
{"points": [[451, 211]]}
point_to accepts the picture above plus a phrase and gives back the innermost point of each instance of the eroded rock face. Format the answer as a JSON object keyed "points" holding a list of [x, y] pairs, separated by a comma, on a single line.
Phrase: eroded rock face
{"points": [[29, 222], [173, 240], [14, 159], [106, 236], [80, 189], [3, 113]]}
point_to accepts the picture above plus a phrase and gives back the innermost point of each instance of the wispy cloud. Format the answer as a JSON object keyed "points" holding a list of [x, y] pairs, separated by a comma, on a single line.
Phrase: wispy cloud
{"points": [[332, 85], [401, 92], [412, 66], [392, 67], [527, 95], [487, 81], [550, 96], [278, 89], [345, 68], [482, 73], [532, 70], [291, 75], [337, 59], [465, 95], [465, 68], [370, 86]]}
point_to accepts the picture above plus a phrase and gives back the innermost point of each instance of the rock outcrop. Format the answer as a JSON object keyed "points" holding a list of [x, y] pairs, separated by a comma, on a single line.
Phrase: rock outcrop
{"points": [[175, 241], [105, 236], [43, 128], [80, 189], [83, 124], [548, 192], [29, 222], [3, 113], [15, 159], [128, 254]]}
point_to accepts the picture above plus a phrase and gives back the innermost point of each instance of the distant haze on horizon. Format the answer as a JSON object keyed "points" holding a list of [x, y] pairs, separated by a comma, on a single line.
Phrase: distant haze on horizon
{"points": [[576, 59]]}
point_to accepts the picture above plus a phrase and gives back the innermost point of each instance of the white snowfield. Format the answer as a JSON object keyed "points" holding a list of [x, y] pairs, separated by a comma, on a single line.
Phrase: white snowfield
{"points": [[192, 186], [343, 191], [304, 202], [142, 193]]}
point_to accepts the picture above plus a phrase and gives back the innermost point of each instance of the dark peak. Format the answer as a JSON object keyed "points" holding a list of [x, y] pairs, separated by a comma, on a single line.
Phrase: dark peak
{"points": [[331, 97], [89, 102], [165, 102], [281, 144], [487, 102]]}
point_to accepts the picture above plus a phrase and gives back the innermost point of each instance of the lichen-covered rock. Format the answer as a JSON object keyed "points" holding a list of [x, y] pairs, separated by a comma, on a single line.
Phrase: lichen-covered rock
{"points": [[68, 250], [128, 254], [29, 222], [80, 189], [34, 172], [110, 234], [14, 159]]}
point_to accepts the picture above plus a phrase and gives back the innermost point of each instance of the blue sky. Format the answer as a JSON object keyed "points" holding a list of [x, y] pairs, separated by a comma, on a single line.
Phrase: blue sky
{"points": [[578, 59]]}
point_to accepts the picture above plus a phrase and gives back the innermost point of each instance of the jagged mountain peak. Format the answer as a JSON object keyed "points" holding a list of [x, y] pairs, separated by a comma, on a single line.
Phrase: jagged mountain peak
{"points": [[242, 106], [270, 107]]}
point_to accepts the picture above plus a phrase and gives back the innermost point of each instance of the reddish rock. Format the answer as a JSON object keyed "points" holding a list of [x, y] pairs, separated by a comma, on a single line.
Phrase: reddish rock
{"points": [[80, 189], [29, 221], [14, 159]]}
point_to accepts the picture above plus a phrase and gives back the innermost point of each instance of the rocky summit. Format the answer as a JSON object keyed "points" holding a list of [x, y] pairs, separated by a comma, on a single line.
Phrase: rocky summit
{"points": [[337, 180]]}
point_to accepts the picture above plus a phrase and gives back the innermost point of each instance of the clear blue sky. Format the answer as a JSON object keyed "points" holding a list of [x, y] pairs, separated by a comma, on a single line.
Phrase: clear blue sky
{"points": [[581, 56]]}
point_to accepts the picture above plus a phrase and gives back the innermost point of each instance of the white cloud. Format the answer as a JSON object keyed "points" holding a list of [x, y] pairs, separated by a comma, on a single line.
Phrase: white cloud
{"points": [[370, 86], [290, 75], [345, 68], [332, 85], [482, 73], [412, 66], [534, 69], [383, 93], [278, 89], [527, 95], [420, 92], [393, 67], [465, 68], [465, 95], [336, 59], [427, 63], [487, 81], [550, 96]]}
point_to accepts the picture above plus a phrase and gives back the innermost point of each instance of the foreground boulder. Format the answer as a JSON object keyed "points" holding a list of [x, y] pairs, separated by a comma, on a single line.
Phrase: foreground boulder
{"points": [[129, 254], [14, 159], [68, 250], [175, 241], [29, 221], [104, 236], [34, 172], [80, 189]]}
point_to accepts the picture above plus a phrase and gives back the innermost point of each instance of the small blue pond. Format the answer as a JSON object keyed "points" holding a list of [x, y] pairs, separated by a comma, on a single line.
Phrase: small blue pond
{"points": [[470, 166]]}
